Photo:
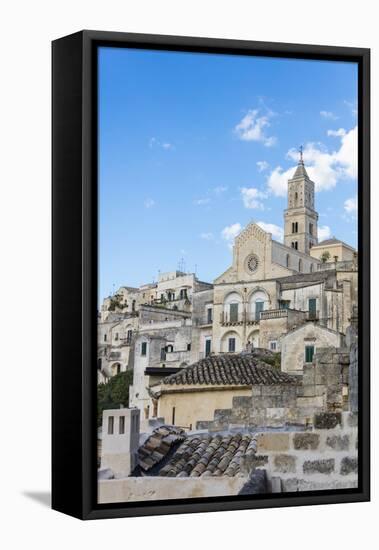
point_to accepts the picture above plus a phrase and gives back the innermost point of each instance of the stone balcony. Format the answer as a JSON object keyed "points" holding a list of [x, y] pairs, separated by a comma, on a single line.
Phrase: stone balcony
{"points": [[242, 318]]}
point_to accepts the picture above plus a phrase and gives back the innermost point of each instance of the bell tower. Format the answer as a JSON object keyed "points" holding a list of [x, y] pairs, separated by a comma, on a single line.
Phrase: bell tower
{"points": [[300, 217]]}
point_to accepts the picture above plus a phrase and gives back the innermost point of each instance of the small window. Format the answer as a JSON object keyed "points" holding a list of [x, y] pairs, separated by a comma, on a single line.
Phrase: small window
{"points": [[105, 337], [232, 345], [273, 345], [129, 336], [189, 347], [300, 265], [173, 416], [134, 305], [99, 363], [208, 347], [287, 260], [116, 336], [143, 348], [121, 425], [209, 315], [312, 308], [309, 353], [311, 228], [110, 424]]}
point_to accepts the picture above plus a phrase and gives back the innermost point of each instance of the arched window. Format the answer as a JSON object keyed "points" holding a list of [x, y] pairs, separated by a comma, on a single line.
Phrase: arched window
{"points": [[133, 305], [232, 307], [257, 302]]}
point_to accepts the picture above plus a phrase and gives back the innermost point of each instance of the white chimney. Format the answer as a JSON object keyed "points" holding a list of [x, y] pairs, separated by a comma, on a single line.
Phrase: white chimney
{"points": [[120, 440]]}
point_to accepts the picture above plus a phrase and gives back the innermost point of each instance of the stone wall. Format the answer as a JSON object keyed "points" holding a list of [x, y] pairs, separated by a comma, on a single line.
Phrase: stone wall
{"points": [[135, 489], [324, 387], [325, 457]]}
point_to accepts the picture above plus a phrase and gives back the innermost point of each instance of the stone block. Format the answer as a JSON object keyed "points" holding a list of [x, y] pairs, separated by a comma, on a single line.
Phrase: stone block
{"points": [[222, 415], [284, 463], [272, 390], [326, 420], [276, 485], [344, 359], [350, 420], [203, 424], [312, 402], [256, 391], [322, 466], [305, 441], [239, 415], [338, 442], [349, 465], [309, 390], [256, 485], [273, 442], [243, 401]]}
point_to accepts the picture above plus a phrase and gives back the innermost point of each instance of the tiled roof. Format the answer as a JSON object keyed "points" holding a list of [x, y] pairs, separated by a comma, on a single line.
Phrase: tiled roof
{"points": [[300, 171], [216, 455], [333, 240], [229, 369], [158, 445]]}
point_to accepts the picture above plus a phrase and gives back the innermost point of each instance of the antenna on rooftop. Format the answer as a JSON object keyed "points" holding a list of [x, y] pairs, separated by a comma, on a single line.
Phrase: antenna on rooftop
{"points": [[181, 265]]}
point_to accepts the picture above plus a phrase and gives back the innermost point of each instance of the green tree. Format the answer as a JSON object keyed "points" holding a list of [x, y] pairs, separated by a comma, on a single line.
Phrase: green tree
{"points": [[114, 393], [325, 256]]}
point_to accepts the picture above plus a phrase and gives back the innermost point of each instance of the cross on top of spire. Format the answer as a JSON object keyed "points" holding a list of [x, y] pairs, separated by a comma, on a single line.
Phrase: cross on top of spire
{"points": [[301, 160]]}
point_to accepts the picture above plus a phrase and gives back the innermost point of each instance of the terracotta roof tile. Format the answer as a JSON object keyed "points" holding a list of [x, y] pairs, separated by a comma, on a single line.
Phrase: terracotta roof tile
{"points": [[229, 369], [208, 455]]}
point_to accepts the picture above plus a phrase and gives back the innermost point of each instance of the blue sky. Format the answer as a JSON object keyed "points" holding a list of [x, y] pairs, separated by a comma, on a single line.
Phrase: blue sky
{"points": [[194, 146]]}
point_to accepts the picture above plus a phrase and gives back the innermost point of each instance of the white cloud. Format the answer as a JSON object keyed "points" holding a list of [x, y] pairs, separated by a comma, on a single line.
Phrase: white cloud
{"points": [[207, 236], [251, 196], [201, 202], [329, 115], [351, 206], [275, 230], [149, 203], [262, 165], [352, 105], [220, 189], [154, 142], [337, 133], [324, 233], [230, 232], [324, 168], [253, 127]]}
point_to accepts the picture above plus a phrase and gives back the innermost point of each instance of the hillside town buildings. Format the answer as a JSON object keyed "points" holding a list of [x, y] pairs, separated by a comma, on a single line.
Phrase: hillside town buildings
{"points": [[267, 345]]}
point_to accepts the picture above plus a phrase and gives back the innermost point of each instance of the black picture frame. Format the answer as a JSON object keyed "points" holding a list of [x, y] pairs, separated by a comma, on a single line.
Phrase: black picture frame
{"points": [[74, 272]]}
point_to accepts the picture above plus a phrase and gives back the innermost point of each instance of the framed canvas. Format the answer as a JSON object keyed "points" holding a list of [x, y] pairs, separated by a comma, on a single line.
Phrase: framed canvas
{"points": [[211, 275]]}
